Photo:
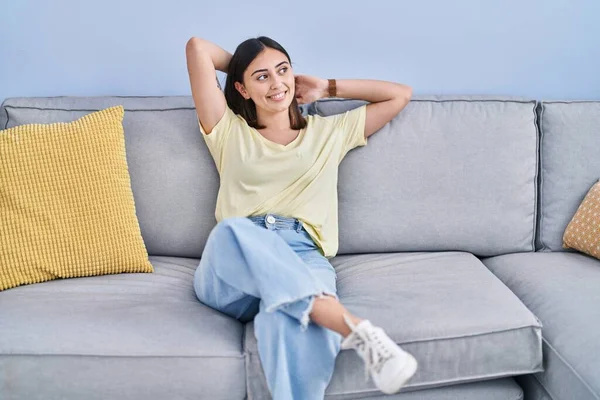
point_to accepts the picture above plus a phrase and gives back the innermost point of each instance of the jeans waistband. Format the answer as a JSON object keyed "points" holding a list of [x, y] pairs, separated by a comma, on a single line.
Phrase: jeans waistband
{"points": [[275, 222]]}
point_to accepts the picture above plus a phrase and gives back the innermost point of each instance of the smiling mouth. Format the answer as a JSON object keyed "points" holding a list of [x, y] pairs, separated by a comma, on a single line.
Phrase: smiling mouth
{"points": [[278, 96]]}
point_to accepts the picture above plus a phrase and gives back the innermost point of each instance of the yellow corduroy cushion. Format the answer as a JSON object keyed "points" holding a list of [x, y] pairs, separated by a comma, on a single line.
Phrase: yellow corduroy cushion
{"points": [[583, 232], [66, 205]]}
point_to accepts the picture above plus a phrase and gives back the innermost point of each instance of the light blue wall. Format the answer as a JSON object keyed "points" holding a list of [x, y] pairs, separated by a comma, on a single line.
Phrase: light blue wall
{"points": [[539, 49]]}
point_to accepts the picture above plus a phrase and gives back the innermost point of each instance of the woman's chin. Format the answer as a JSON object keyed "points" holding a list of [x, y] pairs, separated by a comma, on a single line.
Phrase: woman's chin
{"points": [[283, 106]]}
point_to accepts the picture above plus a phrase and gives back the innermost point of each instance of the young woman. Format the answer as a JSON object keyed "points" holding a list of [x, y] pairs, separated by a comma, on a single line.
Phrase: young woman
{"points": [[267, 258]]}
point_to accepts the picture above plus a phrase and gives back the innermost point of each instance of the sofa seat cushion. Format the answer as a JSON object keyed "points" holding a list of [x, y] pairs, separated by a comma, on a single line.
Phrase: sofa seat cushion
{"points": [[127, 336], [458, 320], [563, 290]]}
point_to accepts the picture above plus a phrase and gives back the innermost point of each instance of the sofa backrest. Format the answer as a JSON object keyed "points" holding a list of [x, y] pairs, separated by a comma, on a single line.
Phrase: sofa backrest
{"points": [[445, 174], [173, 178], [570, 165]]}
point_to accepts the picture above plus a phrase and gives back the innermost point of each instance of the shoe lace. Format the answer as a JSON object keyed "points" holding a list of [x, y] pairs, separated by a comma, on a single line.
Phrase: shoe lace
{"points": [[373, 350]]}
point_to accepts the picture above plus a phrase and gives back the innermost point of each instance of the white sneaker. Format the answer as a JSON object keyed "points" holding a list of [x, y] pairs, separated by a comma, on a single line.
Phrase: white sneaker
{"points": [[390, 366]]}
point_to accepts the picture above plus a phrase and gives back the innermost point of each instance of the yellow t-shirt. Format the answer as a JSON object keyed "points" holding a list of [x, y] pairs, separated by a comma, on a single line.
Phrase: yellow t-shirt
{"points": [[299, 180]]}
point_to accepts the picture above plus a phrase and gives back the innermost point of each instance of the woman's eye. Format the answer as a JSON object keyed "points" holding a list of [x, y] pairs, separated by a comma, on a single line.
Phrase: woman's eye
{"points": [[282, 69]]}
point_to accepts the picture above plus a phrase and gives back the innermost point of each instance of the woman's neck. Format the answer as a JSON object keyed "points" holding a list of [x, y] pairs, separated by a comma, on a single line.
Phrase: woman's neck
{"points": [[274, 122]]}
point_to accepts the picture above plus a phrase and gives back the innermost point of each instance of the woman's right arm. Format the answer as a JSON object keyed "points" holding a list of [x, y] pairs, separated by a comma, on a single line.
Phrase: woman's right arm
{"points": [[203, 59]]}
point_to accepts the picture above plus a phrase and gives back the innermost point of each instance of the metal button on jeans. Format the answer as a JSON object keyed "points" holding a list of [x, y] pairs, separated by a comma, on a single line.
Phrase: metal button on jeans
{"points": [[271, 219]]}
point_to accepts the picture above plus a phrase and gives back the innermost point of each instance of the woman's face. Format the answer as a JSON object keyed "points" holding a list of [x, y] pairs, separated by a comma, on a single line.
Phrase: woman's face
{"points": [[269, 81]]}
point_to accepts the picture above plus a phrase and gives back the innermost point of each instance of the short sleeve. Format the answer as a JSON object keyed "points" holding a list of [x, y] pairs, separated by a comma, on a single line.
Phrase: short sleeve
{"points": [[352, 126], [216, 139]]}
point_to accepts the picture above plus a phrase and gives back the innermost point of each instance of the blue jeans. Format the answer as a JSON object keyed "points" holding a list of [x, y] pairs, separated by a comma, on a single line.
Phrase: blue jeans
{"points": [[268, 268]]}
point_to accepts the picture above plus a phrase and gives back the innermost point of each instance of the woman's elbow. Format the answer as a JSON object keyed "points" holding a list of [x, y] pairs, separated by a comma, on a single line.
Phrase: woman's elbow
{"points": [[404, 93], [407, 92]]}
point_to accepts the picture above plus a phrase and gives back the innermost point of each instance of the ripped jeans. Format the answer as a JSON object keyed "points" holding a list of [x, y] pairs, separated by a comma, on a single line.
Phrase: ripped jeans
{"points": [[267, 268]]}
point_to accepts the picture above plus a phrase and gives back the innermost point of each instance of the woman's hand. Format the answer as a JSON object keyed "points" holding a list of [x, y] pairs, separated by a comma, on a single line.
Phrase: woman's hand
{"points": [[310, 88]]}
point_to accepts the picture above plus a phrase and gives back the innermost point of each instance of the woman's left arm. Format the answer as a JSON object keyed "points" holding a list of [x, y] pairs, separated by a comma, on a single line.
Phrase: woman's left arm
{"points": [[387, 99]]}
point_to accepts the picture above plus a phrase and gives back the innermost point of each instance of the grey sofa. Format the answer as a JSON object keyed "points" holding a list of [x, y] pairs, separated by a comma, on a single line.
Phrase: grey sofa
{"points": [[451, 221]]}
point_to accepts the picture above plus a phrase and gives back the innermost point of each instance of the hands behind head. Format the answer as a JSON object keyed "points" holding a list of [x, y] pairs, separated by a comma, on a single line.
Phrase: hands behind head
{"points": [[310, 88]]}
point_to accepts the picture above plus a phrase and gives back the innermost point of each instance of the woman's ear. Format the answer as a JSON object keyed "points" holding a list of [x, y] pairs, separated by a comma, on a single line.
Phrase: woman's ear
{"points": [[240, 88]]}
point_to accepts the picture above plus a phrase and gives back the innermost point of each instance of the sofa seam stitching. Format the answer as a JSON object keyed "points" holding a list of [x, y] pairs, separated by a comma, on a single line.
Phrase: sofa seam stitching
{"points": [[119, 96], [541, 224], [568, 365], [442, 100], [241, 356], [550, 393], [456, 337], [536, 177], [569, 101], [471, 379], [96, 109]]}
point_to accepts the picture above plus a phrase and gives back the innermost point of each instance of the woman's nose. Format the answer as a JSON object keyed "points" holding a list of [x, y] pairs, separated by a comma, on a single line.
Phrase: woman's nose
{"points": [[276, 82]]}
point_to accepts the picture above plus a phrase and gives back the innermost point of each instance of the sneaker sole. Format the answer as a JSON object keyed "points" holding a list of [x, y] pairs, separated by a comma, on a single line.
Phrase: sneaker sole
{"points": [[403, 376]]}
